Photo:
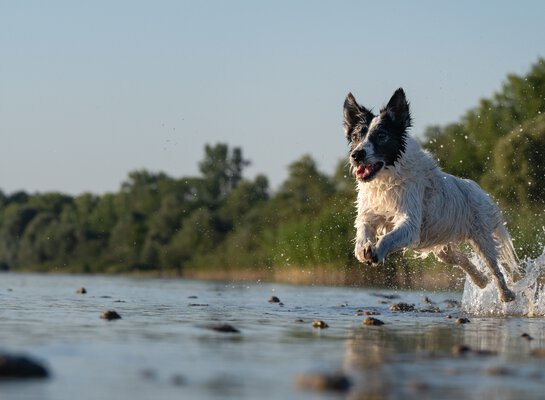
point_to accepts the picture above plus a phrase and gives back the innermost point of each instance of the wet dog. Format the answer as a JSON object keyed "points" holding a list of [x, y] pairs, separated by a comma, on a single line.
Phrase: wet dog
{"points": [[405, 201]]}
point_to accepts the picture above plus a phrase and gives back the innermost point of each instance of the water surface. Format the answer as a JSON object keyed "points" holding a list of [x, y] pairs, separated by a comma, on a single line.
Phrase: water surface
{"points": [[162, 349]]}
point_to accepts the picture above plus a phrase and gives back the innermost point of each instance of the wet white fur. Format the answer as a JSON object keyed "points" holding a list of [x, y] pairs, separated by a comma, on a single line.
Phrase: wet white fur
{"points": [[414, 204]]}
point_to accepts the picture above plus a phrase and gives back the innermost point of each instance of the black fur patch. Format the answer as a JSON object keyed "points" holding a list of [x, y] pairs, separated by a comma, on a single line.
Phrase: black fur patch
{"points": [[388, 139], [356, 119]]}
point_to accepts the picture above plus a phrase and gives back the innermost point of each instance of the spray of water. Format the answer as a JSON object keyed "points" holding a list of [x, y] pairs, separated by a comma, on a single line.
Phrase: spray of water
{"points": [[530, 293]]}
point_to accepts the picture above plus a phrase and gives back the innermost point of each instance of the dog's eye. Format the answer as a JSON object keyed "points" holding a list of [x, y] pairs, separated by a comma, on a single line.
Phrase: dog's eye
{"points": [[382, 137]]}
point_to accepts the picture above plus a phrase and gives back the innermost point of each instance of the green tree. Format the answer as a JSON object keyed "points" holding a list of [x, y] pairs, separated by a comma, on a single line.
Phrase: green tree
{"points": [[222, 170], [306, 189], [246, 196], [518, 176], [467, 148]]}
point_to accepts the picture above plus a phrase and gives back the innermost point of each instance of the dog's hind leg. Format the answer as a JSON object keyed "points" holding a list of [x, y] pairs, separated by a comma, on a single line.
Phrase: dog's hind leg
{"points": [[452, 256], [486, 248]]}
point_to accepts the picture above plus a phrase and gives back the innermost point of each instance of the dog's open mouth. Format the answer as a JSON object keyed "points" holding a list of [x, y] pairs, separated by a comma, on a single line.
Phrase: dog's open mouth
{"points": [[366, 172]]}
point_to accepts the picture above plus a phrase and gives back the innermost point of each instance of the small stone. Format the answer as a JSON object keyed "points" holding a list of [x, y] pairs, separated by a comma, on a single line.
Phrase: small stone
{"points": [[372, 321], [18, 367], [81, 290], [299, 320], [359, 313], [462, 321], [319, 324], [223, 328], [178, 380], [148, 374], [192, 297], [323, 382], [527, 336], [402, 307], [197, 305], [460, 349], [448, 316], [274, 299], [110, 315]]}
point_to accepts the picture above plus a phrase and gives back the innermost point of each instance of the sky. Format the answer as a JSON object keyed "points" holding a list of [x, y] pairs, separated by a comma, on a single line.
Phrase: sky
{"points": [[90, 91]]}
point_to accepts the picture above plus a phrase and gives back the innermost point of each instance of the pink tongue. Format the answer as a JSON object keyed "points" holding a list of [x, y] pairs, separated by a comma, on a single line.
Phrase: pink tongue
{"points": [[363, 171]]}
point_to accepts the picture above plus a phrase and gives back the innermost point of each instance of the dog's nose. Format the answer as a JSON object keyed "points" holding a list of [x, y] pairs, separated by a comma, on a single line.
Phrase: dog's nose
{"points": [[358, 155]]}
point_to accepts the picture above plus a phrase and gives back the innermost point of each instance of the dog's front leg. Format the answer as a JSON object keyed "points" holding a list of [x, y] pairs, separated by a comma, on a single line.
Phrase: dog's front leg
{"points": [[365, 242], [406, 229], [403, 235]]}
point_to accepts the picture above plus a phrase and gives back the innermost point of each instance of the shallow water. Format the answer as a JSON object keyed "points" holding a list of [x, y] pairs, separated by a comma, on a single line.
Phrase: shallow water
{"points": [[161, 348]]}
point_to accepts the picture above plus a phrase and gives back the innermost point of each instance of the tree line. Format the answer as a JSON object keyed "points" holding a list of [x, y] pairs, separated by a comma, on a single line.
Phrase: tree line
{"points": [[221, 220]]}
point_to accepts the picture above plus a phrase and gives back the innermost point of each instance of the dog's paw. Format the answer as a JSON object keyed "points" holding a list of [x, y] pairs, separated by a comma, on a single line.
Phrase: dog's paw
{"points": [[365, 252], [507, 295], [379, 256]]}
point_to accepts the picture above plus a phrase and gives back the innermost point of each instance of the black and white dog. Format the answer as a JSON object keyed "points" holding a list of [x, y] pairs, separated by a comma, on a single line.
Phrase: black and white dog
{"points": [[405, 201]]}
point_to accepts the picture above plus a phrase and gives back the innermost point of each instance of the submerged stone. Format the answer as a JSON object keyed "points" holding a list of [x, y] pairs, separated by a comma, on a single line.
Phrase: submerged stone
{"points": [[223, 328], [361, 312], [323, 382], [460, 349], [18, 367]]}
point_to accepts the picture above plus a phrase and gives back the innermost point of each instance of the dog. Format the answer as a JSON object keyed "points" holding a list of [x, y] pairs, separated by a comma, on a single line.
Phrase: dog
{"points": [[405, 201]]}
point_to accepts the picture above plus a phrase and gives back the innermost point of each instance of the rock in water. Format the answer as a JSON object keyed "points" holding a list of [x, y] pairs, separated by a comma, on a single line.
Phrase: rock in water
{"points": [[403, 307], [323, 382], [372, 321], [317, 323], [224, 328], [110, 315], [17, 367]]}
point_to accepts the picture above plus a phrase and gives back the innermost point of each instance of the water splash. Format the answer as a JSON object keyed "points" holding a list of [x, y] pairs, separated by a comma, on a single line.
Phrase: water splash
{"points": [[529, 291]]}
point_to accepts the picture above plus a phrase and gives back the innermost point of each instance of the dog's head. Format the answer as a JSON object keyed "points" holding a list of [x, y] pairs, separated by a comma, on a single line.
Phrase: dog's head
{"points": [[376, 141]]}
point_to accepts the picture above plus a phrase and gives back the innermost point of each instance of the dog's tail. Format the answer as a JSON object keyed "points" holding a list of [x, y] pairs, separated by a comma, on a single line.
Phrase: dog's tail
{"points": [[508, 256]]}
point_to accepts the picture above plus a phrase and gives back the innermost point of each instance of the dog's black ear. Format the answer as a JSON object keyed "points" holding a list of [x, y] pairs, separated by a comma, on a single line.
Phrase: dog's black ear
{"points": [[354, 114], [398, 109]]}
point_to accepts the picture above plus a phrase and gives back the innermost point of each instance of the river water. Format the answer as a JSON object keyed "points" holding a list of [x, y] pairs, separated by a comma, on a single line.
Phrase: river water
{"points": [[162, 348]]}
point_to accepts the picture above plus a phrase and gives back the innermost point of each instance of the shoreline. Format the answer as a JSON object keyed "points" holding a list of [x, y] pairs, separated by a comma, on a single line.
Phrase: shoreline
{"points": [[364, 277], [414, 280]]}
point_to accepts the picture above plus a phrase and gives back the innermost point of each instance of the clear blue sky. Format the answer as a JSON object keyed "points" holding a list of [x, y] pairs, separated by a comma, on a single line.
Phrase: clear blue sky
{"points": [[92, 90]]}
